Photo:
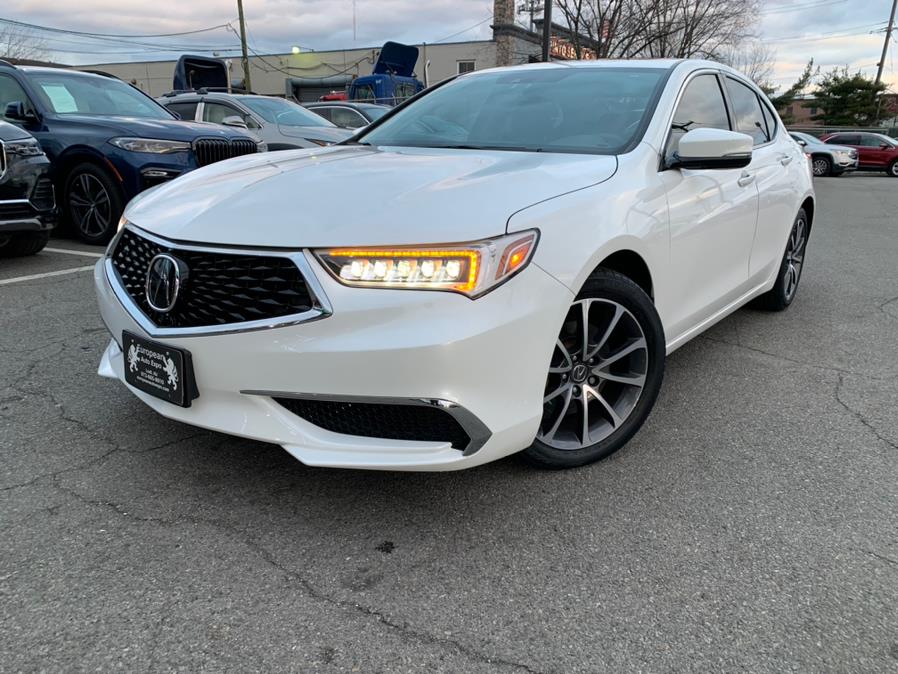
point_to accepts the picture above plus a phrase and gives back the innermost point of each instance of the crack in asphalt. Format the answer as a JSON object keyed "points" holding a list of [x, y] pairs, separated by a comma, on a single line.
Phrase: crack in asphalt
{"points": [[311, 591], [794, 361], [860, 417], [882, 307]]}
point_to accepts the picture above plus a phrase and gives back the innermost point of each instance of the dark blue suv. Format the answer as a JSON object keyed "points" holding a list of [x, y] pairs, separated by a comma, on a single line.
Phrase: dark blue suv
{"points": [[107, 140]]}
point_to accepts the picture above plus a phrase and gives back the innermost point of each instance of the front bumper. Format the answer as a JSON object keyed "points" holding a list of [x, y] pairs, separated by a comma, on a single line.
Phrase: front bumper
{"points": [[487, 356]]}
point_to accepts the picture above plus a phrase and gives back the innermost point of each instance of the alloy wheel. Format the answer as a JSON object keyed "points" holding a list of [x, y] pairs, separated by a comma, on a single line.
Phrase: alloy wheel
{"points": [[794, 258], [596, 376], [90, 205], [893, 169], [821, 167]]}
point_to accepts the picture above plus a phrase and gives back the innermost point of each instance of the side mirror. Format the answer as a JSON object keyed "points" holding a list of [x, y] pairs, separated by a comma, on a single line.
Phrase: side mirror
{"points": [[712, 149], [885, 146], [801, 142], [234, 120], [16, 110]]}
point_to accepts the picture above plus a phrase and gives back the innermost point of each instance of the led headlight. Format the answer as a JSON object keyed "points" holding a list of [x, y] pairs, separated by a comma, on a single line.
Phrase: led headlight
{"points": [[150, 145], [26, 147], [471, 268]]}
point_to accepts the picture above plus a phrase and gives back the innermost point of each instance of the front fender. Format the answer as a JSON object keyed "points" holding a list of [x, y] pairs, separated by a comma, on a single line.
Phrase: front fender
{"points": [[627, 212]]}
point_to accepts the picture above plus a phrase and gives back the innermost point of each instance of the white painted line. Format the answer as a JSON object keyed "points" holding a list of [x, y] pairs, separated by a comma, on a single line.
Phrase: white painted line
{"points": [[34, 277], [82, 253]]}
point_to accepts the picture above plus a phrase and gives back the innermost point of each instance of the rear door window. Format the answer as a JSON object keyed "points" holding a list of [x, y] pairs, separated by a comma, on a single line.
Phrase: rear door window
{"points": [[186, 109], [748, 116]]}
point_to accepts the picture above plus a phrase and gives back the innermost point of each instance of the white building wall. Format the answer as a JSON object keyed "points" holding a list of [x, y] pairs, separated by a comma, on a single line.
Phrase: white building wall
{"points": [[269, 73]]}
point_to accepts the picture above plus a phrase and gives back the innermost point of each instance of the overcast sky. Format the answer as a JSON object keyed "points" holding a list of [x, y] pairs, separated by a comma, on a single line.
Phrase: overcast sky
{"points": [[833, 32]]}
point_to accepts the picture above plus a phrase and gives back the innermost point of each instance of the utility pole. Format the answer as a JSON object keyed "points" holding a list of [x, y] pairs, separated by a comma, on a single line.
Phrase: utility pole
{"points": [[885, 44], [547, 27], [247, 85]]}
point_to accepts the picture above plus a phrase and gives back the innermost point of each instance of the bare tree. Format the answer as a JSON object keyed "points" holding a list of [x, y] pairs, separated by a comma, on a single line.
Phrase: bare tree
{"points": [[658, 28], [755, 59], [21, 43]]}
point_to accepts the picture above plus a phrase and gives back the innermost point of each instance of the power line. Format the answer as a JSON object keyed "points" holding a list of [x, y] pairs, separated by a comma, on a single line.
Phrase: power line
{"points": [[826, 36], [49, 29], [800, 7], [479, 23]]}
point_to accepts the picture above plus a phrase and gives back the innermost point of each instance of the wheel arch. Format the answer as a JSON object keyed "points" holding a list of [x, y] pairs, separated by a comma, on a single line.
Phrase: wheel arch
{"points": [[80, 154], [808, 206], [632, 265]]}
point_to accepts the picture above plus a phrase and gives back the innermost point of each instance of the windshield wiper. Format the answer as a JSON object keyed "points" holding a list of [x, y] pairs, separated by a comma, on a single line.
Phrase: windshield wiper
{"points": [[512, 148]]}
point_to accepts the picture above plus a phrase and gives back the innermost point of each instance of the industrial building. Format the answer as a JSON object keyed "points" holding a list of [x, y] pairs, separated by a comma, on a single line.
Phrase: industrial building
{"points": [[321, 72]]}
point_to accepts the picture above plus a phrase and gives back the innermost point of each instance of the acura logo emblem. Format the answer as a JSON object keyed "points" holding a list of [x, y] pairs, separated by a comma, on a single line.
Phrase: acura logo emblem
{"points": [[164, 278]]}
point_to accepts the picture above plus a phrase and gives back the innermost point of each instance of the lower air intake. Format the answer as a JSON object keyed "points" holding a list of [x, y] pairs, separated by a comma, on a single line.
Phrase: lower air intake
{"points": [[422, 423]]}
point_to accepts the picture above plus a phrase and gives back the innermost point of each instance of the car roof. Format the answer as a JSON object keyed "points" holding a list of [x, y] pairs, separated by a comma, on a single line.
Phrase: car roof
{"points": [[69, 71]]}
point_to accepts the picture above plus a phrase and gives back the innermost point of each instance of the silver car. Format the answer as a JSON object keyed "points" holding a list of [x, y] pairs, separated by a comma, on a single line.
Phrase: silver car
{"points": [[282, 124], [826, 160]]}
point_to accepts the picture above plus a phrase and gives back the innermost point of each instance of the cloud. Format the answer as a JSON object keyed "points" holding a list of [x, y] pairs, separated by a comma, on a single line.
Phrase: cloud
{"points": [[833, 32]]}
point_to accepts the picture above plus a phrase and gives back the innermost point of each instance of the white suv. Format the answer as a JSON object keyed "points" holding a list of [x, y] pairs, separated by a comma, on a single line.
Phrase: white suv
{"points": [[513, 256]]}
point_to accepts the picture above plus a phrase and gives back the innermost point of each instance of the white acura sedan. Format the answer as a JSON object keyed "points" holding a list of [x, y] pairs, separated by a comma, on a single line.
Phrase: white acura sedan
{"points": [[500, 265]]}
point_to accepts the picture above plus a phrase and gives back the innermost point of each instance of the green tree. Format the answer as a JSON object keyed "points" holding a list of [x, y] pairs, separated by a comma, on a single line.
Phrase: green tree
{"points": [[847, 100], [785, 99]]}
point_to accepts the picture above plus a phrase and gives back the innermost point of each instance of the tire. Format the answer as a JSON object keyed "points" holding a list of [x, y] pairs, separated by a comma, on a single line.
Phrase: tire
{"points": [[93, 203], [620, 383], [893, 169], [25, 243], [783, 292], [822, 166]]}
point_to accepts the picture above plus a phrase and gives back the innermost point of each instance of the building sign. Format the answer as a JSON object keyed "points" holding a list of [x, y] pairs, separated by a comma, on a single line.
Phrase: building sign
{"points": [[562, 48]]}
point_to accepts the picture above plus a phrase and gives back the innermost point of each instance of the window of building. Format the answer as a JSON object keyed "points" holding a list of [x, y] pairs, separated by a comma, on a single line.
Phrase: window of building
{"points": [[465, 67]]}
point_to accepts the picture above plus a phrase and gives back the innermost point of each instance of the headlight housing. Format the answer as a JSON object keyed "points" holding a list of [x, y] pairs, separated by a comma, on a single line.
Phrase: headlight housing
{"points": [[25, 147], [472, 269], [150, 145]]}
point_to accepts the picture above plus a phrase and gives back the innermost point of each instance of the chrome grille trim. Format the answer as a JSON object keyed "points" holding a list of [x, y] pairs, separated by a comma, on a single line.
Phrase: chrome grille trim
{"points": [[321, 305]]}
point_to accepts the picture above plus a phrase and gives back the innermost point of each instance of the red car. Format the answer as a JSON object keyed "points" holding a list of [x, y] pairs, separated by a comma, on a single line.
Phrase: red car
{"points": [[876, 152]]}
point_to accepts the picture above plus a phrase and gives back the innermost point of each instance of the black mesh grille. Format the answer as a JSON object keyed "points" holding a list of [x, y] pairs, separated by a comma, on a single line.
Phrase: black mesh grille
{"points": [[210, 150], [381, 420], [42, 195], [220, 288]]}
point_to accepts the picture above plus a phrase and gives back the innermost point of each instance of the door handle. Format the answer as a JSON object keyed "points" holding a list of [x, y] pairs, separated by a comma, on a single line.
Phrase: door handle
{"points": [[786, 159], [746, 179]]}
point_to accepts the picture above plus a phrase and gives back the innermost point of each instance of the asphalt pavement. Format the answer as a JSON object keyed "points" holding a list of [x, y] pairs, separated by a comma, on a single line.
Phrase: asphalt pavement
{"points": [[751, 525]]}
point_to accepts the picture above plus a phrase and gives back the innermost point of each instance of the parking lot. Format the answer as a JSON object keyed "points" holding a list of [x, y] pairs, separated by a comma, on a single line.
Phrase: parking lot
{"points": [[752, 524]]}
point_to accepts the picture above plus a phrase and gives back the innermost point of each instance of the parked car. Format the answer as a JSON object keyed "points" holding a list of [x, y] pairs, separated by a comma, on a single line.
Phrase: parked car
{"points": [[514, 254], [26, 193], [349, 115], [107, 140], [876, 151], [282, 124], [826, 159]]}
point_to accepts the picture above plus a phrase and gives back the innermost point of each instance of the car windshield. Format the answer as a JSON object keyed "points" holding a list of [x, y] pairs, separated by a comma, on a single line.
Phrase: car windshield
{"points": [[594, 110], [80, 94], [280, 111]]}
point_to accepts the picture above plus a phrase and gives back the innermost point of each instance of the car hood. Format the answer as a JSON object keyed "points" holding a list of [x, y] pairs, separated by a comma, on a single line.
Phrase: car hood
{"points": [[163, 129], [360, 196]]}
